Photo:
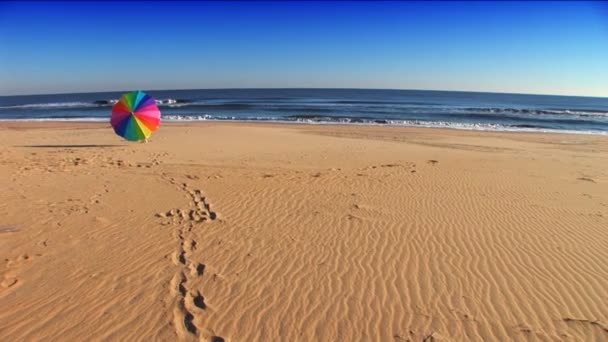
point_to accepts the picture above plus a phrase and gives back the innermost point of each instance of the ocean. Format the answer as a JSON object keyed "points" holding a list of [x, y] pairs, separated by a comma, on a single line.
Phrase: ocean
{"points": [[422, 108]]}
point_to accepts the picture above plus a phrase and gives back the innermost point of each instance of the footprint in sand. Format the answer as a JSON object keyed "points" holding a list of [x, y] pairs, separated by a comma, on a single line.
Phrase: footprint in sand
{"points": [[10, 277], [199, 211], [178, 257], [197, 269], [10, 280], [189, 302], [199, 301]]}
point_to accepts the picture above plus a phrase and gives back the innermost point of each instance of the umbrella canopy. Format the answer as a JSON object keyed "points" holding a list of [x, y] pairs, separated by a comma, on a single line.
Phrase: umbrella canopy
{"points": [[135, 116]]}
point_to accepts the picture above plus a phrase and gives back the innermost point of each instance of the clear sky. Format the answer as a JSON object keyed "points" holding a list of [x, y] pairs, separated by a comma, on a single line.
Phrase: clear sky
{"points": [[523, 47]]}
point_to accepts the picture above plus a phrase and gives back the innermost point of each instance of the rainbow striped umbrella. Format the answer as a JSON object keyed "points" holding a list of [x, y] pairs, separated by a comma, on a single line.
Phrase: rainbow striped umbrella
{"points": [[135, 116]]}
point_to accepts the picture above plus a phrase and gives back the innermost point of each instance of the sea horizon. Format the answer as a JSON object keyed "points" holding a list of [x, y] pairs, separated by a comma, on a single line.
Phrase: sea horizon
{"points": [[306, 88]]}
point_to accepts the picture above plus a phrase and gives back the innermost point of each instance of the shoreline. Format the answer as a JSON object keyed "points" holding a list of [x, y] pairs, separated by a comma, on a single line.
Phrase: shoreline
{"points": [[5, 122]]}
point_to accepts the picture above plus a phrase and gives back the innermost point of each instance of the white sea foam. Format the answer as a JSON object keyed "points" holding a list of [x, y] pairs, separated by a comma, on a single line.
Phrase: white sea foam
{"points": [[57, 120], [405, 123], [340, 121], [53, 105]]}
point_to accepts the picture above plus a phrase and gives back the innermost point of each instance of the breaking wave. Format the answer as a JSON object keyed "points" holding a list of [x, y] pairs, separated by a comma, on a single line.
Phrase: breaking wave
{"points": [[93, 104], [531, 111], [311, 119]]}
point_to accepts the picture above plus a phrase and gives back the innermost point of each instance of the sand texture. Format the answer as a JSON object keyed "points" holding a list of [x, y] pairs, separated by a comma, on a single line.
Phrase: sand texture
{"points": [[255, 232]]}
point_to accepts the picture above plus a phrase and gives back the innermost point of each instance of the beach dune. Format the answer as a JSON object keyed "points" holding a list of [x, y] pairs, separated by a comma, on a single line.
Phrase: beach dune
{"points": [[262, 232]]}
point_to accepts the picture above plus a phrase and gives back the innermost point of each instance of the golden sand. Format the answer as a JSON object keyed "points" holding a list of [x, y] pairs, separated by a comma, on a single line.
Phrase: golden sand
{"points": [[254, 232]]}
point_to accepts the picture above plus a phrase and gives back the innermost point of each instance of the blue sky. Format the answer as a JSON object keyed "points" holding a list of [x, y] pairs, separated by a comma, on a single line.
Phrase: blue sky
{"points": [[523, 47]]}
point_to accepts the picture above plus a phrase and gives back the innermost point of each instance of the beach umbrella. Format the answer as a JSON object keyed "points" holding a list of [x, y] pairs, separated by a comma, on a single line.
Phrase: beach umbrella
{"points": [[135, 116]]}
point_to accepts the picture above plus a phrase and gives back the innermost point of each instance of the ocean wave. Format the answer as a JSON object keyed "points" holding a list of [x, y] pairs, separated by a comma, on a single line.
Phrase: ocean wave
{"points": [[311, 119], [563, 119], [222, 106], [105, 102], [533, 111], [371, 102], [172, 102], [76, 119], [92, 104], [159, 102], [205, 117], [51, 105]]}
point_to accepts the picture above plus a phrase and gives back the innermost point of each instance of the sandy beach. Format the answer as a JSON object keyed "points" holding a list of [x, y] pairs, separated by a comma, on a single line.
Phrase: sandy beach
{"points": [[276, 232]]}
